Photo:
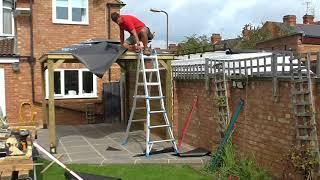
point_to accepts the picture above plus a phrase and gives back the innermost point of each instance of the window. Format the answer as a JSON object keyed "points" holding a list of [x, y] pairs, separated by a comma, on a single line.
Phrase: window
{"points": [[73, 83], [6, 18], [70, 11]]}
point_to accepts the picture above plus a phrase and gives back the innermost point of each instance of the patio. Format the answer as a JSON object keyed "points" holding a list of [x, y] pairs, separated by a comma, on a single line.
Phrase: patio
{"points": [[102, 144]]}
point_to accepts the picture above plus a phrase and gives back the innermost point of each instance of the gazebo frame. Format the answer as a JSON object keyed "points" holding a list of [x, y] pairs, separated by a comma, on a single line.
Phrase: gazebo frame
{"points": [[52, 61]]}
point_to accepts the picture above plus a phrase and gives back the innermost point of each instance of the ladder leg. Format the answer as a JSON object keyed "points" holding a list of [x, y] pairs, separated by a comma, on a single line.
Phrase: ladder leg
{"points": [[165, 115], [146, 90], [133, 104]]}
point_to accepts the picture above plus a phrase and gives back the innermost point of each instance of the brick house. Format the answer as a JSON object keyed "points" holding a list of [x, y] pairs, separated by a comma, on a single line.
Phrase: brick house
{"points": [[37, 27], [289, 35]]}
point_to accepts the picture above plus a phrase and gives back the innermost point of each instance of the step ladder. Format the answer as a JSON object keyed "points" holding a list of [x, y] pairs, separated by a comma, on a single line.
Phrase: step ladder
{"points": [[303, 107], [221, 93], [146, 84]]}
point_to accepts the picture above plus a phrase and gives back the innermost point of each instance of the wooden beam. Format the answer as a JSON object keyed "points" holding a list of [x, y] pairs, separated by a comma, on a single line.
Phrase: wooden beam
{"points": [[58, 63], [67, 56], [164, 64], [44, 104], [169, 91], [52, 120]]}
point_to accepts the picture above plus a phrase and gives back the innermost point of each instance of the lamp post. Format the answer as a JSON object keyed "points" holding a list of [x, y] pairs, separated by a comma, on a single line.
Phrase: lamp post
{"points": [[162, 11]]}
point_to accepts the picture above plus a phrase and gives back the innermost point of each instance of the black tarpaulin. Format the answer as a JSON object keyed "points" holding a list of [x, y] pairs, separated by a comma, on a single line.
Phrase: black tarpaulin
{"points": [[96, 55]]}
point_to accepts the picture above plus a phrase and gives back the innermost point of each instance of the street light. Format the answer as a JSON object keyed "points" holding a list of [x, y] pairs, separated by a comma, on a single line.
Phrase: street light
{"points": [[162, 11]]}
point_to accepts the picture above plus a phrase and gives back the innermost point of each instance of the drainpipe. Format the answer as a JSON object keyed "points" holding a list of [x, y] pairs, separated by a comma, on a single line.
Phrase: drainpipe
{"points": [[31, 59], [109, 6]]}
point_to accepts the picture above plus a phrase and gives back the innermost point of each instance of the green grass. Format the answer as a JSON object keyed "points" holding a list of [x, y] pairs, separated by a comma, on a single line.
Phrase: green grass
{"points": [[130, 172]]}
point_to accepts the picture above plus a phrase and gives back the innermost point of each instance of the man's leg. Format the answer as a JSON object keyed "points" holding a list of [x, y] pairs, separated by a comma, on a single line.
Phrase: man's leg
{"points": [[129, 44], [143, 36]]}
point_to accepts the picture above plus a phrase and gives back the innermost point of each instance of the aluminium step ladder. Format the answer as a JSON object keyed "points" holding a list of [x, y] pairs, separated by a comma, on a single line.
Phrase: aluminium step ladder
{"points": [[304, 108], [221, 93], [146, 84]]}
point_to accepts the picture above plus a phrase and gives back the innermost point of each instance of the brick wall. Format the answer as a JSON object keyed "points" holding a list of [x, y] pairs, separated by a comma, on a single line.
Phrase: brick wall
{"points": [[264, 128], [202, 131], [281, 44], [47, 37]]}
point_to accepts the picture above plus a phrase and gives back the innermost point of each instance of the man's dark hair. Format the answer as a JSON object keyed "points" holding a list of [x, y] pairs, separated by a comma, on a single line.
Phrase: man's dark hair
{"points": [[115, 16]]}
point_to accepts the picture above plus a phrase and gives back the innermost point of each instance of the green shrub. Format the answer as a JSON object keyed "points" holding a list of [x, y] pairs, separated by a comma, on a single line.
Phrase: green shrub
{"points": [[245, 168]]}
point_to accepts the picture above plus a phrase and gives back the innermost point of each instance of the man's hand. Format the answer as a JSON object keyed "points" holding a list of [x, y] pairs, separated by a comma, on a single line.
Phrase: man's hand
{"points": [[138, 47]]}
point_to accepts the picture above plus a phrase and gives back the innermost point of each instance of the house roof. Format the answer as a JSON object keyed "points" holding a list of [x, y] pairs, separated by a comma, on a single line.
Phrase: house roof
{"points": [[7, 47], [309, 30]]}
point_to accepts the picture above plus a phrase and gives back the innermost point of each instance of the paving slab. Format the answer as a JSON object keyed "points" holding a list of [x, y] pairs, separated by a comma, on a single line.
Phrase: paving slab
{"points": [[87, 144], [84, 155]]}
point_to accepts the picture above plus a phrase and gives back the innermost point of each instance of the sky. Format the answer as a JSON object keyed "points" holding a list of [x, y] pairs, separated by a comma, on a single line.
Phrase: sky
{"points": [[204, 17]]}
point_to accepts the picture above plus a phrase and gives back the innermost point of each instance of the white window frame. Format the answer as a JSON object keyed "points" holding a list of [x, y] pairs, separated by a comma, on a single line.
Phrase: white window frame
{"points": [[81, 95], [69, 20], [1, 21]]}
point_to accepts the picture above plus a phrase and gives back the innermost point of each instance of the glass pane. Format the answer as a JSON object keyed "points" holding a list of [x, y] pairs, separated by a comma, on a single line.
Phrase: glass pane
{"points": [[87, 81], [71, 81], [61, 3], [79, 3], [62, 13], [7, 3], [78, 14], [57, 83], [7, 21]]}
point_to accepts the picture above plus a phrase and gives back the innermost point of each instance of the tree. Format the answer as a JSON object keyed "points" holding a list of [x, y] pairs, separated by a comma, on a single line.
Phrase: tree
{"points": [[193, 43], [252, 35]]}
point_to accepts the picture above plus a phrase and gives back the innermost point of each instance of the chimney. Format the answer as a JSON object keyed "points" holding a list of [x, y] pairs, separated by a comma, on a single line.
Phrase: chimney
{"points": [[308, 19], [215, 39], [290, 20]]}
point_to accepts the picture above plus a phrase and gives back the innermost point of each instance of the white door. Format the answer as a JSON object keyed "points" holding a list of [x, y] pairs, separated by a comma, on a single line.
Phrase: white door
{"points": [[2, 92]]}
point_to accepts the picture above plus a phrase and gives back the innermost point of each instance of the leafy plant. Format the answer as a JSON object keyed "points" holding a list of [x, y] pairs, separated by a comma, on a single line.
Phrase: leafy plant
{"points": [[220, 100], [245, 168], [302, 160]]}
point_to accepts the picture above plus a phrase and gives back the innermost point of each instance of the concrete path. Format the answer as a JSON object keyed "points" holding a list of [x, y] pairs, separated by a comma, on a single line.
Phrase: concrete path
{"points": [[102, 144]]}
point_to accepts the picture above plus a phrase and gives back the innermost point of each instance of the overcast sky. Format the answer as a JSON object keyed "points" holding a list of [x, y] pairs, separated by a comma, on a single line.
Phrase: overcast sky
{"points": [[227, 17]]}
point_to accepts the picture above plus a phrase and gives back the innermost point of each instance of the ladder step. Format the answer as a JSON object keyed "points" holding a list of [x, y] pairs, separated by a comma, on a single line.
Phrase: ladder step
{"points": [[303, 114], [149, 57], [301, 92], [149, 70], [219, 81], [159, 126], [150, 97], [160, 141], [138, 120], [306, 138], [221, 90], [300, 80], [299, 69], [302, 103], [150, 84], [141, 108], [154, 112], [305, 126]]}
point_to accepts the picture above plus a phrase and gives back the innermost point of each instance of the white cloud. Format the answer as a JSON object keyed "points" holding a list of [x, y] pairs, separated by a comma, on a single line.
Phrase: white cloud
{"points": [[187, 17]]}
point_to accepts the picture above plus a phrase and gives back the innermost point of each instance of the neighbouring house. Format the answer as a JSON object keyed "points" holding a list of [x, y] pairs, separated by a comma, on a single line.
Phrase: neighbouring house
{"points": [[34, 28], [290, 35]]}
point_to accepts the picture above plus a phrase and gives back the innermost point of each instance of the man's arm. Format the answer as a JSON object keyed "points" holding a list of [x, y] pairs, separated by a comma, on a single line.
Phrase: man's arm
{"points": [[121, 36]]}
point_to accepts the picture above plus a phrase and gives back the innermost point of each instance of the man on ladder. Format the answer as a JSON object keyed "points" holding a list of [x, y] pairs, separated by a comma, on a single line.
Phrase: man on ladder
{"points": [[139, 32], [144, 80]]}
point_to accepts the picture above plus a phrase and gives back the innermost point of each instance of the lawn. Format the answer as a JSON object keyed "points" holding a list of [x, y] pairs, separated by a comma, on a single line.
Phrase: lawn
{"points": [[131, 172]]}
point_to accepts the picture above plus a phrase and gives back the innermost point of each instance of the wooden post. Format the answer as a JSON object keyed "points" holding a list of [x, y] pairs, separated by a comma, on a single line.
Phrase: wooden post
{"points": [[318, 65], [169, 91], [52, 120], [44, 101]]}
